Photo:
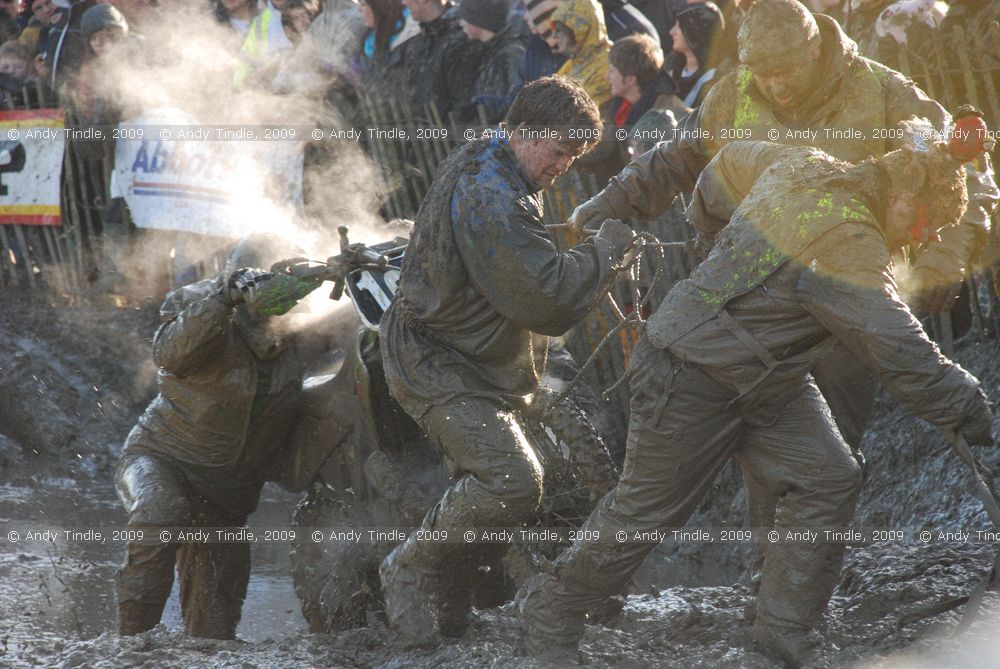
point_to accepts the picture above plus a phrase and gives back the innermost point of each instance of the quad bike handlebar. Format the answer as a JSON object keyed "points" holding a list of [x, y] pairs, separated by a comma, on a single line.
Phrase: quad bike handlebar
{"points": [[352, 256]]}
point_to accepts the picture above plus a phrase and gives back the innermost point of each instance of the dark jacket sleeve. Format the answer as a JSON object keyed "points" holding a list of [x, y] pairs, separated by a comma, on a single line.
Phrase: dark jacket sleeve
{"points": [[196, 320], [848, 288], [511, 260], [648, 185]]}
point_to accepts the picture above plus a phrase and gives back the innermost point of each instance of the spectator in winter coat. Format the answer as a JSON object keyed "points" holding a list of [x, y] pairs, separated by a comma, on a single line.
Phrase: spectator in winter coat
{"points": [[65, 46], [17, 68], [9, 28], [95, 98], [379, 65], [265, 38], [692, 62], [580, 34], [43, 15], [297, 16], [642, 92], [441, 63], [485, 21]]}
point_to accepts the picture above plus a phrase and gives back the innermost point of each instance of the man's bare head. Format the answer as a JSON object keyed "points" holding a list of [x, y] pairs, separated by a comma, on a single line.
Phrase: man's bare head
{"points": [[552, 122]]}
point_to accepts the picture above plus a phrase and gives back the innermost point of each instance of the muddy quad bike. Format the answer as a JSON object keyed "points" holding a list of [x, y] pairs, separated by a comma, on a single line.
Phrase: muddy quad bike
{"points": [[376, 472]]}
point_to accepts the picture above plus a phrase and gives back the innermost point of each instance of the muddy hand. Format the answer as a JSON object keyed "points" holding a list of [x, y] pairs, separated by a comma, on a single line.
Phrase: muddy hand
{"points": [[587, 215], [977, 428], [617, 234]]}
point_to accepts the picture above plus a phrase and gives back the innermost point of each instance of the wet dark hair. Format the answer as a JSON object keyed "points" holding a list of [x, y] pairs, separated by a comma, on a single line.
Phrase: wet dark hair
{"points": [[388, 13], [559, 104], [639, 56]]}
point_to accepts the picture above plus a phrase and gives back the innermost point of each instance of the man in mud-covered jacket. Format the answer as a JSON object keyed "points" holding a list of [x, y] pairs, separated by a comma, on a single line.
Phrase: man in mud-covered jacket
{"points": [[723, 369], [481, 275], [801, 81], [230, 375]]}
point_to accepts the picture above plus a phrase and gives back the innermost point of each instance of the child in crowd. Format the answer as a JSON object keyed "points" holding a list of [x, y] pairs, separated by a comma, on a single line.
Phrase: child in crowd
{"points": [[16, 70]]}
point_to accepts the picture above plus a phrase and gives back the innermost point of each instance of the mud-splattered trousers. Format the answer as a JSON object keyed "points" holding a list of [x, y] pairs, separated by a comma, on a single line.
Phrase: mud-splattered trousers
{"points": [[853, 93], [199, 455], [723, 369], [158, 493], [481, 275], [684, 426]]}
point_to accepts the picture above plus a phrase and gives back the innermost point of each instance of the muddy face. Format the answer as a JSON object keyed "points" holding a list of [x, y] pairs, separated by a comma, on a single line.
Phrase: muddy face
{"points": [[787, 85], [543, 161]]}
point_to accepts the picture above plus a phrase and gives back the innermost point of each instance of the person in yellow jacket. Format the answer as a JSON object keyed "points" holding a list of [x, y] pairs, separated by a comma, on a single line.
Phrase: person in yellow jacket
{"points": [[581, 35], [265, 38]]}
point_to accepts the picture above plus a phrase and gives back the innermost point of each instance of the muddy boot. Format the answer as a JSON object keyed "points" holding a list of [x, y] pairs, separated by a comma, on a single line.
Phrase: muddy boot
{"points": [[793, 648], [410, 585], [547, 632], [137, 617]]}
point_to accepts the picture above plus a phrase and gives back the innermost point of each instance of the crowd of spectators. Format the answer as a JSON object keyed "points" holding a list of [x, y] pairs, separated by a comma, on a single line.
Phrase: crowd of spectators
{"points": [[645, 62], [458, 56]]}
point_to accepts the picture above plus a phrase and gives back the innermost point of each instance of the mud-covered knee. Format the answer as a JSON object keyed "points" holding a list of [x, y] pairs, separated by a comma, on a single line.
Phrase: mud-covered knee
{"points": [[160, 511], [151, 492], [845, 477], [519, 486]]}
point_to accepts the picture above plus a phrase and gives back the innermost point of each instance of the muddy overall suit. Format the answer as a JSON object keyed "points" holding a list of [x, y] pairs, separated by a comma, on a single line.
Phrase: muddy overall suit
{"points": [[849, 107], [229, 384], [481, 275], [723, 368]]}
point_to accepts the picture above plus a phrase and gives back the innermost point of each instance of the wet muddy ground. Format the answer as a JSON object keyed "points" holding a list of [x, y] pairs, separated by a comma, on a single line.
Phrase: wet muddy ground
{"points": [[73, 380]]}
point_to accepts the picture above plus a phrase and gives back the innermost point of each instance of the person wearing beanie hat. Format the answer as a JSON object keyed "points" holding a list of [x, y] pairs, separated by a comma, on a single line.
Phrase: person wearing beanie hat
{"points": [[103, 26], [481, 19], [691, 64], [485, 21], [94, 97]]}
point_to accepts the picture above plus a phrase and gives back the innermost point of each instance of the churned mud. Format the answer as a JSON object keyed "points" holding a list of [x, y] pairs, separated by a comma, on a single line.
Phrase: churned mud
{"points": [[73, 379]]}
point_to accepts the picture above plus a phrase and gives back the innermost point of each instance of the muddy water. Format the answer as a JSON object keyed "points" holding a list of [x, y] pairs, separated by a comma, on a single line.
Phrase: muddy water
{"points": [[54, 591], [57, 610]]}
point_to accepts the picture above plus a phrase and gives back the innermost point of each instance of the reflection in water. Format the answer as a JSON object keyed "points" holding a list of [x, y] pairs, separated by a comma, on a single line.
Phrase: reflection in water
{"points": [[51, 591]]}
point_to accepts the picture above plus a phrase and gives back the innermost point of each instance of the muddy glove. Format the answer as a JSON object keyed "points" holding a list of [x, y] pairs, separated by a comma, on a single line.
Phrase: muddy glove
{"points": [[268, 293], [587, 215], [620, 237], [977, 428], [243, 285], [935, 292]]}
